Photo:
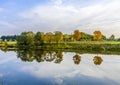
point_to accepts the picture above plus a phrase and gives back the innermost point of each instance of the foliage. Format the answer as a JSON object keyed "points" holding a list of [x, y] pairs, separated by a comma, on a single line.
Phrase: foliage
{"points": [[9, 38], [86, 37], [39, 38], [97, 35], [26, 38], [112, 37], [76, 35], [58, 36]]}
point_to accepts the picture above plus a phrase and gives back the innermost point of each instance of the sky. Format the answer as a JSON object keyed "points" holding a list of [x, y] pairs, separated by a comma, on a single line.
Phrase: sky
{"points": [[17, 16]]}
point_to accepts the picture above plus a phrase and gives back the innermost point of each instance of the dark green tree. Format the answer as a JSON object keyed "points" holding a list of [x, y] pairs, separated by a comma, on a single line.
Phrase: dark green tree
{"points": [[39, 38], [112, 37]]}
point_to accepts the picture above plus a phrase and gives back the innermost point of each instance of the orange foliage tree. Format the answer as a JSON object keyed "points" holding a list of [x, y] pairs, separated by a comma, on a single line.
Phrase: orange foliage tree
{"points": [[77, 35], [97, 35]]}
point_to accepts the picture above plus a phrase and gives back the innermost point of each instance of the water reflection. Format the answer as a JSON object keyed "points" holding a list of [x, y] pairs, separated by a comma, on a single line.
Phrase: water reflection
{"points": [[51, 56], [40, 56], [76, 59], [97, 60], [72, 68]]}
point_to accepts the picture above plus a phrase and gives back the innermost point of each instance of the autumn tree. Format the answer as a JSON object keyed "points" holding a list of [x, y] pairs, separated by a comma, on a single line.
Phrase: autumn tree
{"points": [[76, 35], [97, 35], [58, 36], [49, 37]]}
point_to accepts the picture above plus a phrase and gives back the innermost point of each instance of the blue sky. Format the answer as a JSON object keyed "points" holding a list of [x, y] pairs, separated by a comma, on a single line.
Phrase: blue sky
{"points": [[17, 16]]}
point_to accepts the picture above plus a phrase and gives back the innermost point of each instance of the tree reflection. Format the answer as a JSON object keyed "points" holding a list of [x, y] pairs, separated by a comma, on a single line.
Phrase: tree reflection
{"points": [[97, 60], [40, 56], [50, 56], [77, 59], [26, 55], [59, 57]]}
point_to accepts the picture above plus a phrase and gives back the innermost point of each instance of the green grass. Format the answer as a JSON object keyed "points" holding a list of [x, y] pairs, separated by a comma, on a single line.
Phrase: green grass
{"points": [[94, 42], [8, 43], [12, 43]]}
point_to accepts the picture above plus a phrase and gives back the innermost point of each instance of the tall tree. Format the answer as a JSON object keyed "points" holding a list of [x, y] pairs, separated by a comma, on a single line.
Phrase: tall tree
{"points": [[77, 35], [97, 35], [26, 38], [39, 38]]}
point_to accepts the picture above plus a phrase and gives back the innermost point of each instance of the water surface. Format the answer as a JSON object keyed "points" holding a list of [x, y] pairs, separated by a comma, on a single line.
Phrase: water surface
{"points": [[58, 68]]}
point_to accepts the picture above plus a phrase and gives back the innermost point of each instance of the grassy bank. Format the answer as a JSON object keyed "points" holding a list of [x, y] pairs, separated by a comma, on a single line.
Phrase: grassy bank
{"points": [[84, 45], [8, 44], [81, 45]]}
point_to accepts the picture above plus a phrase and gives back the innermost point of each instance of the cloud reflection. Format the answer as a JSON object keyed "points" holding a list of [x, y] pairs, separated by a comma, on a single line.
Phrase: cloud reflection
{"points": [[68, 70]]}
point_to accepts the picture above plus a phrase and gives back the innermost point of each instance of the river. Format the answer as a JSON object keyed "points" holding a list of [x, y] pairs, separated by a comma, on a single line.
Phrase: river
{"points": [[58, 68]]}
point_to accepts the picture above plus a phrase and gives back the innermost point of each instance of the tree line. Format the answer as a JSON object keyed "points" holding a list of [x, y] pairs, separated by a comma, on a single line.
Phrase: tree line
{"points": [[30, 38], [8, 38]]}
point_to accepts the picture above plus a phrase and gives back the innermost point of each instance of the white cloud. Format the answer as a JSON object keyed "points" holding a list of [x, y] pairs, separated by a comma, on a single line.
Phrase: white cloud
{"points": [[66, 18], [57, 2], [2, 9]]}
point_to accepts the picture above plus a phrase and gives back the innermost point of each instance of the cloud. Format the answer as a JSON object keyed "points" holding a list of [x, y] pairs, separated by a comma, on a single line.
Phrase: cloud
{"points": [[66, 18], [57, 2], [2, 9]]}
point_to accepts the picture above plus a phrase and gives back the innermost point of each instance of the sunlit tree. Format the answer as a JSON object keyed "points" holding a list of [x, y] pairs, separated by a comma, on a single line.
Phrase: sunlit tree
{"points": [[77, 35], [58, 36], [97, 35], [48, 37]]}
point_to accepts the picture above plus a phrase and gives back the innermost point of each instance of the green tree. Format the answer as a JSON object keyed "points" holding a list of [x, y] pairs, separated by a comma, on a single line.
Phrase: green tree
{"points": [[26, 39], [85, 36], [58, 36], [49, 37], [112, 37], [39, 38], [104, 37]]}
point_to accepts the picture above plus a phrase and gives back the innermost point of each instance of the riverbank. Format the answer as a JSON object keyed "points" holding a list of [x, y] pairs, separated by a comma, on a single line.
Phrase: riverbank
{"points": [[79, 45], [84, 45], [8, 43]]}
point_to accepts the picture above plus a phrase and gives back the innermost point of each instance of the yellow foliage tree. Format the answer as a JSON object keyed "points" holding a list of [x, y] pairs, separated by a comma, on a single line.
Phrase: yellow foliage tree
{"points": [[77, 35], [97, 35]]}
